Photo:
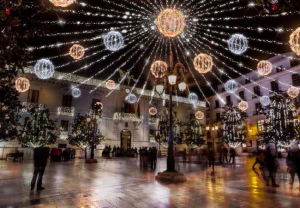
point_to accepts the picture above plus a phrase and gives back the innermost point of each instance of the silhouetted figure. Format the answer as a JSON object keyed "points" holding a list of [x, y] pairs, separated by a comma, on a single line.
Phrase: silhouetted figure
{"points": [[225, 153], [211, 157], [293, 168], [232, 155], [271, 166], [40, 161]]}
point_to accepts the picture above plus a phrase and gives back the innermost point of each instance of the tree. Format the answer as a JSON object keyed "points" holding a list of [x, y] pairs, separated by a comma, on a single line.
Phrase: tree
{"points": [[16, 25], [39, 129], [193, 133], [282, 126], [83, 133], [233, 132]]}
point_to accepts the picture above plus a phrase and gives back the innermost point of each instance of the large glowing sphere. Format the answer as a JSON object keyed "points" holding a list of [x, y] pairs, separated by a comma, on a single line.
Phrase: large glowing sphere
{"points": [[170, 22], [77, 51], [199, 115], [238, 44], [62, 3], [44, 69], [110, 84], [243, 105], [265, 100], [264, 68], [22, 84], [131, 98], [159, 69], [76, 92], [113, 41], [295, 41], [231, 86], [152, 111], [203, 63], [193, 98], [293, 92]]}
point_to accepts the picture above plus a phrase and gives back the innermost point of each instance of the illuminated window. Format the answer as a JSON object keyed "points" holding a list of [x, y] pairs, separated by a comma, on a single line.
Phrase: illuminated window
{"points": [[260, 126]]}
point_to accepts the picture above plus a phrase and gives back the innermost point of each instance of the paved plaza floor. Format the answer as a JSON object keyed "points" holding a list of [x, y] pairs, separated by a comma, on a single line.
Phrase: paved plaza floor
{"points": [[122, 183]]}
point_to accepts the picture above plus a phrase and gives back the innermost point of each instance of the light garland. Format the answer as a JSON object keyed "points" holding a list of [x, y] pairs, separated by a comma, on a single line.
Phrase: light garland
{"points": [[243, 105], [76, 93], [62, 3], [238, 44], [264, 68], [77, 51], [295, 41], [113, 41], [110, 84], [159, 69], [22, 84], [152, 111], [170, 22], [44, 69], [199, 115], [293, 92], [203, 63]]}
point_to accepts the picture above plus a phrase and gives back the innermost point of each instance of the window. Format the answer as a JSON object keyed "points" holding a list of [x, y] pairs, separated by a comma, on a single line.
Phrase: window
{"points": [[260, 126], [258, 107], [228, 100], [33, 96], [242, 95], [247, 81], [279, 69], [64, 125], [67, 101], [217, 104], [274, 86], [296, 79], [223, 89], [218, 116], [256, 90]]}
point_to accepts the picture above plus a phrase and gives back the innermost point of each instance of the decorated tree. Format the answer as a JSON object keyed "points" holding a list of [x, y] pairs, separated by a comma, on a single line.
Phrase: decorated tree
{"points": [[193, 133], [83, 133], [39, 129], [282, 126], [233, 132]]}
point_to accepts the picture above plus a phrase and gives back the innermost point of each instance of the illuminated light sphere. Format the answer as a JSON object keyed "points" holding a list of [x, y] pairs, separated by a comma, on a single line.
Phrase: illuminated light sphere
{"points": [[243, 105], [199, 115], [159, 69], [293, 92], [62, 3], [77, 51], [110, 84], [238, 44], [203, 63], [231, 86], [193, 98], [22, 84], [152, 111], [265, 100], [44, 69], [295, 41], [113, 41], [131, 98], [170, 22], [76, 92], [264, 68]]}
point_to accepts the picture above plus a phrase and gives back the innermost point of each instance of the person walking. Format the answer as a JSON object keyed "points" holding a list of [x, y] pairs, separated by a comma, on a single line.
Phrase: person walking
{"points": [[232, 155], [272, 167], [291, 162], [211, 157], [40, 158], [225, 153]]}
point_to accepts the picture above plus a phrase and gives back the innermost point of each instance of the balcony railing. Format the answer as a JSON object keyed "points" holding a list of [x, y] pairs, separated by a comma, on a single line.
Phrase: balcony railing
{"points": [[63, 135], [65, 111], [129, 117], [153, 120], [26, 106]]}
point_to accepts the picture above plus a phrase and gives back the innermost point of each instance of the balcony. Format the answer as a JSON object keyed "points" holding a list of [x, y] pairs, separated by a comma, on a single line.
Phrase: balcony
{"points": [[63, 135], [26, 106], [128, 117], [153, 120], [65, 111]]}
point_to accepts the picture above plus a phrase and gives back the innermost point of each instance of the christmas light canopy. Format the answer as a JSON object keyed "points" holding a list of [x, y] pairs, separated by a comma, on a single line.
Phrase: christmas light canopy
{"points": [[170, 22], [231, 86], [113, 41], [22, 84], [203, 63], [131, 98], [199, 115], [293, 92], [193, 98], [159, 69], [62, 3], [76, 93], [238, 44], [110, 84], [77, 51], [44, 69], [243, 105], [152, 111], [264, 68], [265, 100], [295, 41]]}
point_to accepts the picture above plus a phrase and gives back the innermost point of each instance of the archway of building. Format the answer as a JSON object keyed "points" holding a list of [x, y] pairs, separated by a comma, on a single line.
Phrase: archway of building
{"points": [[126, 139]]}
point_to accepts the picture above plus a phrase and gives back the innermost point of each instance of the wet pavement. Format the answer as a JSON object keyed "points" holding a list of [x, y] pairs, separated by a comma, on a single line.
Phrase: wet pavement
{"points": [[122, 183]]}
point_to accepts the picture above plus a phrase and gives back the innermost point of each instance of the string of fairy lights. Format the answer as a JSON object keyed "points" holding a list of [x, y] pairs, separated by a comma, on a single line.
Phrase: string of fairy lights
{"points": [[149, 31]]}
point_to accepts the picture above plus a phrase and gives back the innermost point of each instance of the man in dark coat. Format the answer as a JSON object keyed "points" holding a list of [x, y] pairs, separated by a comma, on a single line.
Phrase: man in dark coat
{"points": [[40, 158]]}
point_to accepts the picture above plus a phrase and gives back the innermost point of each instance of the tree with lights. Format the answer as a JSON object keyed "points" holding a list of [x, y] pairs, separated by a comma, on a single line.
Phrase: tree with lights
{"points": [[39, 129], [233, 132], [193, 133], [282, 127]]}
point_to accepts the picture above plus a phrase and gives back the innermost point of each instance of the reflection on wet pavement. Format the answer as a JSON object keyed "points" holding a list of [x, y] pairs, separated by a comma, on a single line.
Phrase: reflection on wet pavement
{"points": [[122, 183]]}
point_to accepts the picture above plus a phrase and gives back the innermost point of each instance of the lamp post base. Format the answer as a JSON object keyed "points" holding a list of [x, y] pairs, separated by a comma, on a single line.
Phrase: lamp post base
{"points": [[171, 177]]}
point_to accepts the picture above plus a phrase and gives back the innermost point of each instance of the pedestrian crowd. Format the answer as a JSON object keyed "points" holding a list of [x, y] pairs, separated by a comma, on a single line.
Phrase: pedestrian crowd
{"points": [[148, 157], [58, 154]]}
